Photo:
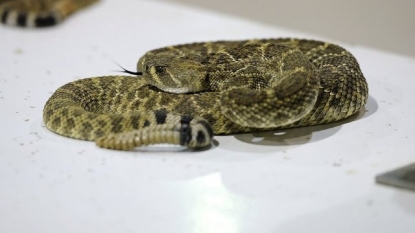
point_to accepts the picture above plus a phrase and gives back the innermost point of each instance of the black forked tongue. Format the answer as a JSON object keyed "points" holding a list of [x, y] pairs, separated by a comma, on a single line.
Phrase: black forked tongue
{"points": [[129, 72]]}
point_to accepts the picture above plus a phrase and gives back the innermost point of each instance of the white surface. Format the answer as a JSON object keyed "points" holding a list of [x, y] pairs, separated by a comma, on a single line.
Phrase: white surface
{"points": [[317, 179]]}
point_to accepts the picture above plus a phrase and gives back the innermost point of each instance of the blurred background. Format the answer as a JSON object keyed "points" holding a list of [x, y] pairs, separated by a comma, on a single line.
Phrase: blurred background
{"points": [[384, 24]]}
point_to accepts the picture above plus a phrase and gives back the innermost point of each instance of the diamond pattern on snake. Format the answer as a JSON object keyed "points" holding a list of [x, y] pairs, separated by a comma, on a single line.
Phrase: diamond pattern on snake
{"points": [[187, 93], [39, 13]]}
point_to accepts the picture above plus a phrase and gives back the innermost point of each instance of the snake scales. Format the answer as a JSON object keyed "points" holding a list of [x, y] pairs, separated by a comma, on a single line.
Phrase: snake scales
{"points": [[39, 13], [186, 93]]}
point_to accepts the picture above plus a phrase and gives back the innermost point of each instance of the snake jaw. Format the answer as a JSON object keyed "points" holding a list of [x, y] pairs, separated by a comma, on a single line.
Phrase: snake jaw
{"points": [[175, 90]]}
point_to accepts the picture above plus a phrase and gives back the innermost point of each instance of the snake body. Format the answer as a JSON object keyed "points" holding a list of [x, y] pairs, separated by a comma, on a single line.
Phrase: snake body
{"points": [[186, 93], [39, 13]]}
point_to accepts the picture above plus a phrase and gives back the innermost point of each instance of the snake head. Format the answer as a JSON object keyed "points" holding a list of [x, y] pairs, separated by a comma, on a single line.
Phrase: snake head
{"points": [[174, 73]]}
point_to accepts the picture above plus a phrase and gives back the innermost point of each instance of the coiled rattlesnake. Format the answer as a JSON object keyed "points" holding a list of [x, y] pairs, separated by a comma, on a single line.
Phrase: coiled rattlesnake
{"points": [[39, 13], [189, 92]]}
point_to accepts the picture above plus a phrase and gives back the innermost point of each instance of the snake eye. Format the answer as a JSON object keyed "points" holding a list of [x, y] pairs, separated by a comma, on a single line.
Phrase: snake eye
{"points": [[160, 69], [146, 68]]}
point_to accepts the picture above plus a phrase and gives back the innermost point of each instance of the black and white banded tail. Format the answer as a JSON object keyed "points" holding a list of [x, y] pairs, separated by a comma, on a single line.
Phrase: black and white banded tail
{"points": [[39, 13]]}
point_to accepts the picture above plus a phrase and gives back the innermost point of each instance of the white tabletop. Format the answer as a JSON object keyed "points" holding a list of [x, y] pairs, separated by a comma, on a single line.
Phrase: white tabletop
{"points": [[315, 179]]}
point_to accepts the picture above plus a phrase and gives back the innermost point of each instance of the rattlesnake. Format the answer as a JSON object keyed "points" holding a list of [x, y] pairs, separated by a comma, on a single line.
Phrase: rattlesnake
{"points": [[39, 13], [186, 93]]}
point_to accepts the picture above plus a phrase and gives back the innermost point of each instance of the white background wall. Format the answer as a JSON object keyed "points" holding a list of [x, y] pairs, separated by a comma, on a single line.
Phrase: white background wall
{"points": [[385, 24]]}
